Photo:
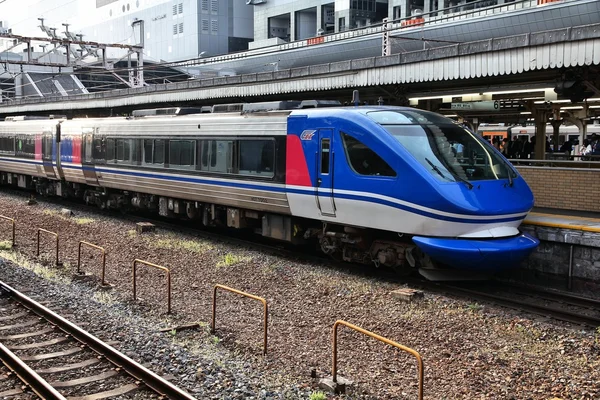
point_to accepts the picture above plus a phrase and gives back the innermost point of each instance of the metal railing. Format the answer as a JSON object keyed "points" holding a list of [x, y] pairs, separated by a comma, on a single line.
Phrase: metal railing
{"points": [[381, 339], [266, 308], [12, 220], [149, 264], [81, 242], [37, 254]]}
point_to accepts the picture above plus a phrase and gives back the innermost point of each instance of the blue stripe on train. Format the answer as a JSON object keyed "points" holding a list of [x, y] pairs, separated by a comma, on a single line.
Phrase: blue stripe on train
{"points": [[308, 191]]}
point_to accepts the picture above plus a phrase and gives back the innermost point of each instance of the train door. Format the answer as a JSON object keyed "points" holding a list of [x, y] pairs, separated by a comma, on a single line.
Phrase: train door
{"points": [[56, 152], [325, 158], [89, 171], [47, 152]]}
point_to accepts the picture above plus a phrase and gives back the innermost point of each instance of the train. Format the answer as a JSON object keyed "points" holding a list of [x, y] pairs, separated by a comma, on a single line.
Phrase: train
{"points": [[499, 132], [380, 185]]}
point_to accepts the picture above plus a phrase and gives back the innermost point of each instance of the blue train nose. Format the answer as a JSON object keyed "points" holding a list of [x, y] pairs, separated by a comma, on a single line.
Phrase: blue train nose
{"points": [[480, 255]]}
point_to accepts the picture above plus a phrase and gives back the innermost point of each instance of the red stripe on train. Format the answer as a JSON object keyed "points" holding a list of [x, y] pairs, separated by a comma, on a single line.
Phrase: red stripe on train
{"points": [[296, 167]]}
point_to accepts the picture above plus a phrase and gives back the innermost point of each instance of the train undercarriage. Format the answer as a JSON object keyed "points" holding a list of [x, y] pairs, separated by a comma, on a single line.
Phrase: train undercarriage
{"points": [[342, 243]]}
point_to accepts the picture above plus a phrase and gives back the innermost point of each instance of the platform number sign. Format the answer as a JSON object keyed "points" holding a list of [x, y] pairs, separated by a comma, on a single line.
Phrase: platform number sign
{"points": [[477, 106]]}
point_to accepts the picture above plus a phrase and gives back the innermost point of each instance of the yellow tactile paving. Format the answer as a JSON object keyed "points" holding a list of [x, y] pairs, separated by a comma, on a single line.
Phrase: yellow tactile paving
{"points": [[587, 224]]}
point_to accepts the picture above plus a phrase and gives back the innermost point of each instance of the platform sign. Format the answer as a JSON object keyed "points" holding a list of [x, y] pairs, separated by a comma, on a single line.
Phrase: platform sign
{"points": [[476, 106]]}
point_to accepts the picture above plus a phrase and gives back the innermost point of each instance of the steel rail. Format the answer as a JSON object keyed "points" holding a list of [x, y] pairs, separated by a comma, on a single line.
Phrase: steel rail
{"points": [[29, 376], [139, 372], [535, 309]]}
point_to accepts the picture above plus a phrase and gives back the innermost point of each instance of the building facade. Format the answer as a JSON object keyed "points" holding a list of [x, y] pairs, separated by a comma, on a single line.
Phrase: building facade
{"points": [[174, 30], [291, 20]]}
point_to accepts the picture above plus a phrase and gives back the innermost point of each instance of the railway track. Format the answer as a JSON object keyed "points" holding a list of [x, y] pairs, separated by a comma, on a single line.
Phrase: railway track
{"points": [[55, 359], [551, 304]]}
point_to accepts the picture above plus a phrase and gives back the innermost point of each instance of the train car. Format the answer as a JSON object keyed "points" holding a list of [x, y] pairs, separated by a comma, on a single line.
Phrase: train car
{"points": [[499, 132], [391, 186]]}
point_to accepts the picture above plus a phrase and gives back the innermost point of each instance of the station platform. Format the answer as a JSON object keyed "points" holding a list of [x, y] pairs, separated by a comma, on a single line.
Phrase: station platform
{"points": [[564, 219]]}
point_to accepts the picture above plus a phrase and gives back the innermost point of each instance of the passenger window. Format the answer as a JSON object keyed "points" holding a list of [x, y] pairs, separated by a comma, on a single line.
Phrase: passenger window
{"points": [[148, 146], [135, 151], [256, 157], [325, 156], [47, 147], [204, 155], [120, 150], [363, 160], [221, 156], [159, 152], [213, 152], [99, 149], [7, 145], [88, 145], [110, 150], [154, 151], [182, 153]]}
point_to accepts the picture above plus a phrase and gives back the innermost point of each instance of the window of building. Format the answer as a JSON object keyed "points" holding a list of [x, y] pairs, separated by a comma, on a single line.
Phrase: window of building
{"points": [[397, 12], [180, 8], [205, 25], [174, 9], [214, 6], [363, 160], [182, 153], [175, 29], [256, 157], [181, 27], [214, 25], [342, 23]]}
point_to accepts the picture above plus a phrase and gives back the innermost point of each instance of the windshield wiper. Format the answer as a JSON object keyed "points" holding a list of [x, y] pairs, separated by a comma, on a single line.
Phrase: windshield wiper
{"points": [[463, 180], [456, 176], [436, 168], [510, 178]]}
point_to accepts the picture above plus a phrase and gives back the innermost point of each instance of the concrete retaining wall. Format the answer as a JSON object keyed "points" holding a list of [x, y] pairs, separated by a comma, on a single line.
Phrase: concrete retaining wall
{"points": [[549, 264]]}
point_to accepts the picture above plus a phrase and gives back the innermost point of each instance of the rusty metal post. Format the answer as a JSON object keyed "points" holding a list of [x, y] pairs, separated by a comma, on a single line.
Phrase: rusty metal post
{"points": [[13, 229], [81, 242], [135, 262], [381, 339], [38, 242], [266, 308]]}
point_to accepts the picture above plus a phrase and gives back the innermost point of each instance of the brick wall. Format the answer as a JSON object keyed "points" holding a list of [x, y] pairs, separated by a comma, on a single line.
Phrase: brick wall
{"points": [[564, 188]]}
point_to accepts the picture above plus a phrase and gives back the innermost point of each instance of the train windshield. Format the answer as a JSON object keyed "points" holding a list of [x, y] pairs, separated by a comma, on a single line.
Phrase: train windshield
{"points": [[447, 150]]}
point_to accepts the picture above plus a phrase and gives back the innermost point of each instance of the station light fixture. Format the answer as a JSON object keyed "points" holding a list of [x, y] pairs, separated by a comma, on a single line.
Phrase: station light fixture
{"points": [[553, 101], [518, 91], [572, 108]]}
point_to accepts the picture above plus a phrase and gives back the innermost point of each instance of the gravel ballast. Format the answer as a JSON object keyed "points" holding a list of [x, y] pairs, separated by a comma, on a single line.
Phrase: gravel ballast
{"points": [[470, 351]]}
